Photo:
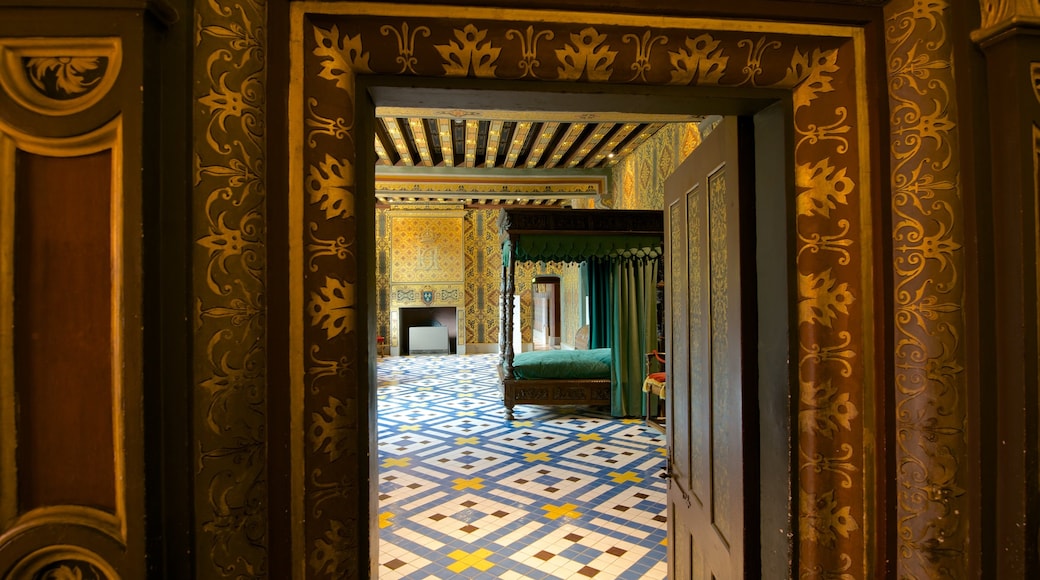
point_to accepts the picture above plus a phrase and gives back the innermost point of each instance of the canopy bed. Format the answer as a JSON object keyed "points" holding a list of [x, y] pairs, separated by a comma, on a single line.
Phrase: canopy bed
{"points": [[620, 251]]}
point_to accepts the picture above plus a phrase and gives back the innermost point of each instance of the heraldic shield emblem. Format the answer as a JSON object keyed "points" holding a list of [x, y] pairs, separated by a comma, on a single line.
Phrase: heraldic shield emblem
{"points": [[427, 296]]}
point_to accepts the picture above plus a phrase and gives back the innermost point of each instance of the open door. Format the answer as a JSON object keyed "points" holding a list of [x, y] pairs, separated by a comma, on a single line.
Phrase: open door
{"points": [[545, 324], [712, 488]]}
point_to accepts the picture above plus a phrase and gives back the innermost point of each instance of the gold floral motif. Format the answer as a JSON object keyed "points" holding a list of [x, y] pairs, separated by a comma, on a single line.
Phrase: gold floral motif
{"points": [[822, 187], [469, 51], [333, 555], [644, 46], [57, 76], [839, 573], [818, 355], [815, 242], [61, 77], [340, 60], [701, 60], [814, 133], [825, 409], [333, 307], [842, 465], [341, 368], [821, 298], [319, 248], [823, 520], [225, 102], [928, 261], [811, 76], [230, 370], [330, 429], [586, 54], [529, 48], [330, 185], [337, 128], [405, 44], [753, 69]]}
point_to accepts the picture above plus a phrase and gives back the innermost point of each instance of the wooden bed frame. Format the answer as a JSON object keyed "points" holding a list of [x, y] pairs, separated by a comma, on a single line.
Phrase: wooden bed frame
{"points": [[587, 392], [556, 223]]}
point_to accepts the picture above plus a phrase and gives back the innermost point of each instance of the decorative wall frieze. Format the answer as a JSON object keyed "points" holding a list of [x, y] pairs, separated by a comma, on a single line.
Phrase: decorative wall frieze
{"points": [[230, 289], [59, 76], [930, 397]]}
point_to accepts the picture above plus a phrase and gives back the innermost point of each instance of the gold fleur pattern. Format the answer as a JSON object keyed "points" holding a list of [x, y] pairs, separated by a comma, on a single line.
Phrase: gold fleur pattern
{"points": [[229, 331], [930, 382], [483, 275], [821, 73]]}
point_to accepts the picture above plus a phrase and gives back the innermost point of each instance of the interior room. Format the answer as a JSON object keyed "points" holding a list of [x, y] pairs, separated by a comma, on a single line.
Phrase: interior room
{"points": [[219, 218], [423, 227]]}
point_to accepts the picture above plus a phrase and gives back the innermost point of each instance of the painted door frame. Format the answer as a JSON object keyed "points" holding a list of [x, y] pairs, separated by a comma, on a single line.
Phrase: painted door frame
{"points": [[821, 67]]}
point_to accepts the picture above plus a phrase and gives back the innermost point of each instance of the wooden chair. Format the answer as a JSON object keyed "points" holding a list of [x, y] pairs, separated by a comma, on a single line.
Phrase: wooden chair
{"points": [[655, 388]]}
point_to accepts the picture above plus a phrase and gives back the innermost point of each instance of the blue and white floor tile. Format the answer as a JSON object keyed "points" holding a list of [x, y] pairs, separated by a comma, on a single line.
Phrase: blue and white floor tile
{"points": [[558, 493]]}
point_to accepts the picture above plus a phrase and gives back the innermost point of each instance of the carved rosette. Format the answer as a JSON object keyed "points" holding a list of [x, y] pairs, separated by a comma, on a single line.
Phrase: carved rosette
{"points": [[832, 269], [230, 369], [928, 258], [59, 76]]}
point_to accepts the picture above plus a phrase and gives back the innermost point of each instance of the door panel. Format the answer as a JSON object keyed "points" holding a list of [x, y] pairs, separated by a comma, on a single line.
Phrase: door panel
{"points": [[710, 382]]}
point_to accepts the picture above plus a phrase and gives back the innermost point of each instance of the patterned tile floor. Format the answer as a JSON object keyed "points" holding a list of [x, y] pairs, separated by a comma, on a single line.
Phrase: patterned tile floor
{"points": [[560, 492]]}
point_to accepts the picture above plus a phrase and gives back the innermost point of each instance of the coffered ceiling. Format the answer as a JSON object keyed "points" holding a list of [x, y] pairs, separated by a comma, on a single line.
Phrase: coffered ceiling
{"points": [[481, 157]]}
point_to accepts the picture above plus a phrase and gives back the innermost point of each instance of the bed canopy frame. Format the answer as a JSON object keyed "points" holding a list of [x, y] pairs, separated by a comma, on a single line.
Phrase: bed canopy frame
{"points": [[564, 235]]}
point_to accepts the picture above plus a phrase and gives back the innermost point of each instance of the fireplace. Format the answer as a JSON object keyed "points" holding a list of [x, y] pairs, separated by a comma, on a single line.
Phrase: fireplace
{"points": [[424, 317]]}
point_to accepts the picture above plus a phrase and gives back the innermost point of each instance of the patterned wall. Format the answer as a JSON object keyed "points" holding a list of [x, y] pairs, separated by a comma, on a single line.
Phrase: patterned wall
{"points": [[482, 274], [930, 396], [637, 181]]}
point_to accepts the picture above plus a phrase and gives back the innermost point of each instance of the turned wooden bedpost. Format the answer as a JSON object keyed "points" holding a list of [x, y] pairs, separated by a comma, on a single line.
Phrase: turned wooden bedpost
{"points": [[508, 292]]}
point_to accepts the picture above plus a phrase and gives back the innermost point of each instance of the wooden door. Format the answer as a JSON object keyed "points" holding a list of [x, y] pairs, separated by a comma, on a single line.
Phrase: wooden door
{"points": [[711, 411]]}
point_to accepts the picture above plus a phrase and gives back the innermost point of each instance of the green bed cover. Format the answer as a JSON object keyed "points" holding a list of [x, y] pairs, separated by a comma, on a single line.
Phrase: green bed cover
{"points": [[563, 364]]}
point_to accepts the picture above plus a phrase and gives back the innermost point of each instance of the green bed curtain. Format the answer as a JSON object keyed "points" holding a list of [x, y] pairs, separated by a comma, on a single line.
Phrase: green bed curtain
{"points": [[623, 317], [635, 330], [601, 303]]}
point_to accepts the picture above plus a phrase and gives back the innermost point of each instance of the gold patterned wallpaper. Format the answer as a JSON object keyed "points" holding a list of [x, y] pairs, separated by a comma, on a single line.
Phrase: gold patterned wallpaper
{"points": [[930, 395], [476, 238], [637, 181], [426, 246]]}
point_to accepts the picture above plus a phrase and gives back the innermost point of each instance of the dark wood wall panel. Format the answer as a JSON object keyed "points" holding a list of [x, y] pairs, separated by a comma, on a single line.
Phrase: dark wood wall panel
{"points": [[63, 331]]}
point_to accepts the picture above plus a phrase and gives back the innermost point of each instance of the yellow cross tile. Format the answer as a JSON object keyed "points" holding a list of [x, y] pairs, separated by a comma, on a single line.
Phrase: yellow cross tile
{"points": [[461, 395], [632, 421], [467, 413], [465, 440], [461, 483], [424, 389], [397, 462], [409, 427], [523, 424], [555, 511], [590, 437], [543, 456], [464, 560], [384, 520], [626, 476], [662, 450]]}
